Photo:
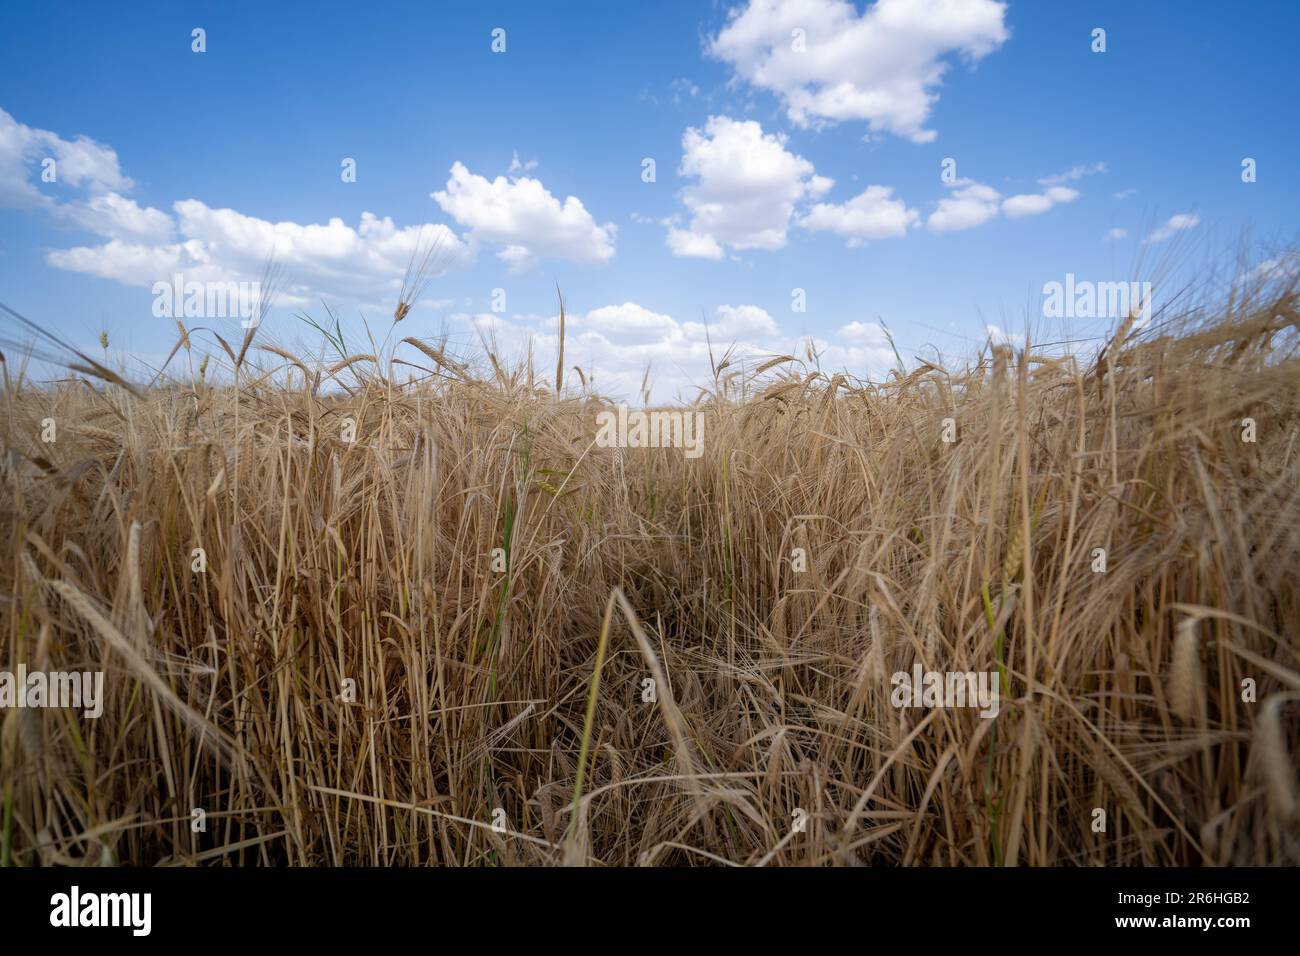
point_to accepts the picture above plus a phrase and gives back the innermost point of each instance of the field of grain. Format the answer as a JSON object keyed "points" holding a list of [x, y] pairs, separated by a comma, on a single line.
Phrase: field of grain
{"points": [[363, 612]]}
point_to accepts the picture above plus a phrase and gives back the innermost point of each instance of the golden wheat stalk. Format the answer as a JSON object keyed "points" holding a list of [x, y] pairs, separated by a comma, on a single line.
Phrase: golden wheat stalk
{"points": [[1270, 751], [1186, 684]]}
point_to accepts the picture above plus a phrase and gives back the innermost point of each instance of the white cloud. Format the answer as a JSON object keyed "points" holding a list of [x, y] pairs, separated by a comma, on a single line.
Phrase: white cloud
{"points": [[683, 242], [332, 259], [522, 216], [615, 344], [971, 204], [872, 214], [521, 167], [80, 163], [133, 264], [735, 323], [633, 326], [1284, 266], [683, 89], [116, 217], [881, 66], [861, 358], [1116, 234], [1124, 193], [618, 341], [1073, 174], [865, 333], [1173, 225], [486, 322], [746, 187], [864, 348], [628, 323], [749, 187], [1033, 204], [139, 245]]}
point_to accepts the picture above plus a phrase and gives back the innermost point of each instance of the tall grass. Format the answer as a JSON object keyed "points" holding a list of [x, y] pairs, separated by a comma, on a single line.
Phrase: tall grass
{"points": [[368, 564]]}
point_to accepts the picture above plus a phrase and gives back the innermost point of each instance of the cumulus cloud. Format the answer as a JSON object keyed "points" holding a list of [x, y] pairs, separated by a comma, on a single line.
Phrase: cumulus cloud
{"points": [[861, 348], [872, 214], [692, 245], [618, 342], [85, 191], [117, 217], [332, 259], [749, 188], [140, 245], [1174, 225], [972, 204], [627, 324], [881, 66], [1116, 234], [79, 163], [865, 333], [1034, 204], [735, 323], [633, 326], [524, 218], [745, 191]]}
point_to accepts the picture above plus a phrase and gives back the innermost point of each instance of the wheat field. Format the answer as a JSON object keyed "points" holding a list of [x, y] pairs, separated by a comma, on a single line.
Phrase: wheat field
{"points": [[399, 609]]}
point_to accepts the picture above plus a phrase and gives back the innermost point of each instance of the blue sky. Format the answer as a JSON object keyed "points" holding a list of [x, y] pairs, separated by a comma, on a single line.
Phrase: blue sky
{"points": [[777, 168]]}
